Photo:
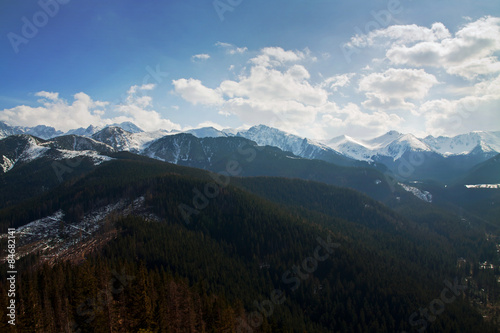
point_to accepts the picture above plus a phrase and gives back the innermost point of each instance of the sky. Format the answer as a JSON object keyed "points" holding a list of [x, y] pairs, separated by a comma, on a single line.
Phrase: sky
{"points": [[317, 69]]}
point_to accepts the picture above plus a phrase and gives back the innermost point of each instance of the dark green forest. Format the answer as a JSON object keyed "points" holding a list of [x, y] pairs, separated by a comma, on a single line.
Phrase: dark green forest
{"points": [[211, 254]]}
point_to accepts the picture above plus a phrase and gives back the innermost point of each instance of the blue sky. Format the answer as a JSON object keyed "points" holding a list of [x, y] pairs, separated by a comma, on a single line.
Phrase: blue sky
{"points": [[314, 68]]}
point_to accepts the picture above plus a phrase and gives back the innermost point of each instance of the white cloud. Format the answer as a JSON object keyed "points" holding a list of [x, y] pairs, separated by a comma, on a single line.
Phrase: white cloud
{"points": [[200, 57], [195, 92], [401, 34], [477, 110], [265, 84], [135, 88], [84, 111], [137, 109], [338, 81], [276, 56], [56, 112], [231, 49], [391, 89], [49, 95], [278, 92], [471, 52]]}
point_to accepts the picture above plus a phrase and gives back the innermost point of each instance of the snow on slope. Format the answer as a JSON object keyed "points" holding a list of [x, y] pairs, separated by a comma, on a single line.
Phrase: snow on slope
{"points": [[404, 143], [6, 163], [31, 149], [394, 144], [464, 143], [267, 136], [422, 195], [351, 148], [207, 132]]}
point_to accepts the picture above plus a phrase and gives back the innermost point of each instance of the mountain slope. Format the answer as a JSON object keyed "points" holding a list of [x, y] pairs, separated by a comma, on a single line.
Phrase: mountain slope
{"points": [[303, 147], [238, 248]]}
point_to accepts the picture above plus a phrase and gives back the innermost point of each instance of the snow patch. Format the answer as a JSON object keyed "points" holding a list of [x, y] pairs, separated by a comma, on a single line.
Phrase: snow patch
{"points": [[6, 164], [422, 195]]}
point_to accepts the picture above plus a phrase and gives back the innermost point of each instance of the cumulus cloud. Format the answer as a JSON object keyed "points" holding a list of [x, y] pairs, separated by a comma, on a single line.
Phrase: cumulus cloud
{"points": [[48, 95], [391, 89], [471, 52], [477, 110], [401, 34], [264, 94], [56, 112], [84, 111], [138, 109], [195, 92], [338, 81], [277, 56], [277, 90]]}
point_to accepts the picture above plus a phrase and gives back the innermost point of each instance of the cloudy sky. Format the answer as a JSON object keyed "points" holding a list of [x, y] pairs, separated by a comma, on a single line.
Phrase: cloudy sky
{"points": [[314, 68]]}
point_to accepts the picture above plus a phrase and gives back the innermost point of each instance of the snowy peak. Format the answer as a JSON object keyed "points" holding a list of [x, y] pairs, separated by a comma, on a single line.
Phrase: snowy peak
{"points": [[267, 136], [115, 137], [128, 126], [40, 131], [303, 147], [487, 142], [404, 143], [89, 131], [44, 132], [383, 140], [207, 132], [19, 149], [394, 144]]}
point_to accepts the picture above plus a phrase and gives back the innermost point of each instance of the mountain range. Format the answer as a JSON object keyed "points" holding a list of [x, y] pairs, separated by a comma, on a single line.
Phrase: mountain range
{"points": [[404, 155], [208, 222]]}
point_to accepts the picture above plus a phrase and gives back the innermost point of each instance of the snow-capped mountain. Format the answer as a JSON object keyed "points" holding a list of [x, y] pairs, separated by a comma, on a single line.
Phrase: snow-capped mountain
{"points": [[44, 132], [208, 132], [403, 154], [24, 148], [394, 144], [128, 126], [89, 131], [411, 157], [122, 140], [303, 147], [465, 143], [40, 131]]}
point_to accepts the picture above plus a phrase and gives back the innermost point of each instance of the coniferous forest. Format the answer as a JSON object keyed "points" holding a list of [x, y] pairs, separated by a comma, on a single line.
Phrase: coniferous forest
{"points": [[197, 252]]}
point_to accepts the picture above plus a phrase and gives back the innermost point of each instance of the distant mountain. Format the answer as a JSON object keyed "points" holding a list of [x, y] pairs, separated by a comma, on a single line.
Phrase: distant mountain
{"points": [[403, 155], [207, 132], [409, 157], [303, 147], [487, 172], [486, 142], [115, 137], [40, 131], [128, 126], [44, 132], [89, 131]]}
